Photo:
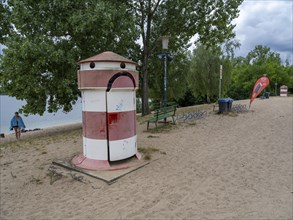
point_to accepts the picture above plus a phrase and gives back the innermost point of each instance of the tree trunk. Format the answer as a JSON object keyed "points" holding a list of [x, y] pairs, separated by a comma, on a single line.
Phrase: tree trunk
{"points": [[145, 93], [146, 43]]}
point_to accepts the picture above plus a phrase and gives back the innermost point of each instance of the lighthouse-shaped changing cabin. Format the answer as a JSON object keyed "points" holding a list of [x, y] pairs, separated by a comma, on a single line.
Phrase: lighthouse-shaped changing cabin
{"points": [[108, 84]]}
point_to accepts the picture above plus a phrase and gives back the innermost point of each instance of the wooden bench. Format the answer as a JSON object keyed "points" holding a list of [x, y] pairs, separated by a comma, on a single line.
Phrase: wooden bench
{"points": [[162, 113]]}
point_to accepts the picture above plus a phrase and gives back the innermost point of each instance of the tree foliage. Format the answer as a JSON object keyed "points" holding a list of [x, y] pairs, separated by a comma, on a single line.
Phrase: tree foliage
{"points": [[49, 37], [261, 60], [204, 73], [46, 38], [177, 70], [210, 20], [4, 22]]}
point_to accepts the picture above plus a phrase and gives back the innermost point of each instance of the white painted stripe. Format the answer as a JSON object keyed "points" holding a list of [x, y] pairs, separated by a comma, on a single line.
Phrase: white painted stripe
{"points": [[94, 100], [283, 94], [124, 88], [107, 66], [95, 149], [121, 100], [92, 88], [122, 149], [105, 88]]}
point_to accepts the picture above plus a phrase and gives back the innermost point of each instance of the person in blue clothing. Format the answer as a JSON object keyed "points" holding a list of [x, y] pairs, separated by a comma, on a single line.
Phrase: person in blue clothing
{"points": [[17, 124]]}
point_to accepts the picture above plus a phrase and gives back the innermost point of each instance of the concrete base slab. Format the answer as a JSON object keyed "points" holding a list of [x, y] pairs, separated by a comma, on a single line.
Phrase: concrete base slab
{"points": [[117, 169]]}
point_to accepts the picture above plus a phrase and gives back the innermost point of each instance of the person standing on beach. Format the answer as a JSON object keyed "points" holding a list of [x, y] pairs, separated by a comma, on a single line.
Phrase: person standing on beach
{"points": [[17, 124]]}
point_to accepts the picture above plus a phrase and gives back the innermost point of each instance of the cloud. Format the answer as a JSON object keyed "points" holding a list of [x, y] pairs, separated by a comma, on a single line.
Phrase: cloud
{"points": [[268, 23]]}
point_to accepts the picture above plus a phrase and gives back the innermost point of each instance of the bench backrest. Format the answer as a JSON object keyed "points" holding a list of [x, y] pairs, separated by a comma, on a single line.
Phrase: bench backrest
{"points": [[167, 111]]}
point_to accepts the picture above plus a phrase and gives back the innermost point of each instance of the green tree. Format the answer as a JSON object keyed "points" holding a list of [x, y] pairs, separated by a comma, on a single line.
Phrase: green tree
{"points": [[49, 37], [4, 23], [261, 60], [204, 74], [176, 76], [289, 72], [210, 20]]}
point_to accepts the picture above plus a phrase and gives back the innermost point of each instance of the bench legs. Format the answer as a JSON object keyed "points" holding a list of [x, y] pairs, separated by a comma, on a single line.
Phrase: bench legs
{"points": [[149, 125], [156, 123], [174, 122]]}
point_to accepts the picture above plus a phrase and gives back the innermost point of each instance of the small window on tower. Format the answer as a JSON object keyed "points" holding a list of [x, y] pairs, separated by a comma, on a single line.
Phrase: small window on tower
{"points": [[92, 65], [122, 65]]}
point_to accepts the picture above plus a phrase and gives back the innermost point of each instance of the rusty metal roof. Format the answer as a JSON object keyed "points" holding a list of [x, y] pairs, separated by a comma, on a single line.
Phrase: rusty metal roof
{"points": [[108, 56]]}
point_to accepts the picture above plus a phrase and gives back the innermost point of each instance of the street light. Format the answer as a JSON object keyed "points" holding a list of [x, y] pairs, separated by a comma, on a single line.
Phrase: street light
{"points": [[276, 88], [165, 42]]}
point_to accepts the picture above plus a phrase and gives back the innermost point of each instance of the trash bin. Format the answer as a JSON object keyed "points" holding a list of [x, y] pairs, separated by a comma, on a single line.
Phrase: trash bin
{"points": [[230, 101], [225, 104], [267, 95]]}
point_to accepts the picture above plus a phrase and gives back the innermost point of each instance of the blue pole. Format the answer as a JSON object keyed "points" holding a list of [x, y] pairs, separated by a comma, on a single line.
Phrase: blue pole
{"points": [[165, 83], [165, 79]]}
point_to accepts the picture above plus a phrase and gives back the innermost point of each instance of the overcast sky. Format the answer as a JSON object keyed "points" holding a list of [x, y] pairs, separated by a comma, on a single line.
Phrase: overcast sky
{"points": [[268, 23]]}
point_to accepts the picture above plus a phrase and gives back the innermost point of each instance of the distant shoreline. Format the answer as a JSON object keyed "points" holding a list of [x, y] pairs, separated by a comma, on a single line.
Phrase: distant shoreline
{"points": [[41, 127], [59, 118], [42, 132]]}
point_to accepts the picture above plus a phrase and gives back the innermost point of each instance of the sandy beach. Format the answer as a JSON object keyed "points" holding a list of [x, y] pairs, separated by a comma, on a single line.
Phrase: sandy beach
{"points": [[234, 166]]}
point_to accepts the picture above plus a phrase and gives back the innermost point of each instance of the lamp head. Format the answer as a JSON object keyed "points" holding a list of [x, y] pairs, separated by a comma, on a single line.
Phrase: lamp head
{"points": [[165, 42]]}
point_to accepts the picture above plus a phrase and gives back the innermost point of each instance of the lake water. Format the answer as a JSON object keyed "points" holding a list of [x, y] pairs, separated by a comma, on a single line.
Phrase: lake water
{"points": [[9, 105]]}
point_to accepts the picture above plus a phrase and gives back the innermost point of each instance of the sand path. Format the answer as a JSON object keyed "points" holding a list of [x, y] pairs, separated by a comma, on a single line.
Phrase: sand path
{"points": [[221, 167]]}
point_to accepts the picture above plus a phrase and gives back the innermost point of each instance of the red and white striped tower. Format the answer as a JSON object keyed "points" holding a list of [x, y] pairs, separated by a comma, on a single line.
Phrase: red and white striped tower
{"points": [[108, 84], [283, 90]]}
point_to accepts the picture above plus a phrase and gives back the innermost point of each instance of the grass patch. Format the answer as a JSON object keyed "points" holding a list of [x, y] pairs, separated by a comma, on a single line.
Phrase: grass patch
{"points": [[54, 176], [152, 136], [192, 123], [147, 157], [163, 128], [41, 167], [232, 114], [148, 151], [36, 181]]}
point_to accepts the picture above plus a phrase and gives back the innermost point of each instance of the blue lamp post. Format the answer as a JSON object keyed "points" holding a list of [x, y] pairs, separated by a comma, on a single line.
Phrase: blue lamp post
{"points": [[165, 42], [165, 56]]}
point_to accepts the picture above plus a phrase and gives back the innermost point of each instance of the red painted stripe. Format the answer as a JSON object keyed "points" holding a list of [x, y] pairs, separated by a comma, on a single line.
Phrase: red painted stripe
{"points": [[100, 78], [122, 82], [94, 125], [283, 92], [122, 125]]}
